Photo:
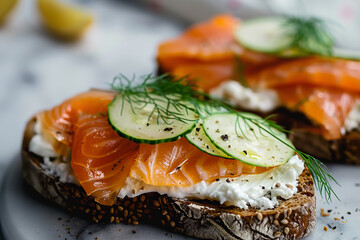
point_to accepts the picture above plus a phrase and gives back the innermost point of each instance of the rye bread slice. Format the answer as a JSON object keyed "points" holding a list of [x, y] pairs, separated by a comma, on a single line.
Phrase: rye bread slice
{"points": [[292, 219]]}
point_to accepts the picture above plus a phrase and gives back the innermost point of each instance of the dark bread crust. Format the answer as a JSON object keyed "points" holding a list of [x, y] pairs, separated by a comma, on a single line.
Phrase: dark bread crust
{"points": [[292, 219]]}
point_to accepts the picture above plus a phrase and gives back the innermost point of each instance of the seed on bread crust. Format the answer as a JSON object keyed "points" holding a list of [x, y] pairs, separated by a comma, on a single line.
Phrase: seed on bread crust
{"points": [[156, 203], [284, 221], [172, 224], [289, 212], [259, 216]]}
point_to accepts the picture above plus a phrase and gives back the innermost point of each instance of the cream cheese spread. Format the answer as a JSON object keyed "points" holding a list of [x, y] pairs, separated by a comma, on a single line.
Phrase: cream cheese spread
{"points": [[352, 121], [53, 164], [264, 100], [62, 170], [38, 144], [258, 191]]}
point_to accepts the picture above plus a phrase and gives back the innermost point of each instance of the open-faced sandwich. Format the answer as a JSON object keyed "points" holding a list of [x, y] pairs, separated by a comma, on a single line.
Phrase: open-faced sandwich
{"points": [[165, 153], [284, 66]]}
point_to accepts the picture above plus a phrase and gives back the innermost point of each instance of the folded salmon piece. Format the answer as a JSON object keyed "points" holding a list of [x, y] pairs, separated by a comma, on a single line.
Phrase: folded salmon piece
{"points": [[181, 164], [208, 42], [325, 89], [327, 107]]}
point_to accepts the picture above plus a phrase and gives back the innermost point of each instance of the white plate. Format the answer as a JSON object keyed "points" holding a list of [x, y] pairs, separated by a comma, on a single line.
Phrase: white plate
{"points": [[25, 218]]}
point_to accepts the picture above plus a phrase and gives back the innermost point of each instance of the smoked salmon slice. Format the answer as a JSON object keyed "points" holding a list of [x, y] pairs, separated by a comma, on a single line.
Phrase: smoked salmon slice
{"points": [[101, 159], [327, 88], [208, 42], [330, 86], [57, 124], [181, 164], [206, 75], [327, 107], [314, 71]]}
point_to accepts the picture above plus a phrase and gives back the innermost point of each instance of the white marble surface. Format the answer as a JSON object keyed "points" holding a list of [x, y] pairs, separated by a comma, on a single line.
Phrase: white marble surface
{"points": [[37, 72]]}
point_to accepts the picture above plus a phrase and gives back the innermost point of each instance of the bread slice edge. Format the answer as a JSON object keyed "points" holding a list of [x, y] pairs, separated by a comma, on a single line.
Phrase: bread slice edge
{"points": [[291, 219]]}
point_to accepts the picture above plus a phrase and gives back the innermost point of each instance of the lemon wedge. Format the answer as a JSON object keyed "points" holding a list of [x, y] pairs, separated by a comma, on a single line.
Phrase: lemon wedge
{"points": [[5, 8], [63, 21]]}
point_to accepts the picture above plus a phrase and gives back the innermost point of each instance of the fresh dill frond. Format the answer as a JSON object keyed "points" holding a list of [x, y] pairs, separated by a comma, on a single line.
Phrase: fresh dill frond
{"points": [[175, 94], [180, 94], [309, 35], [320, 173]]}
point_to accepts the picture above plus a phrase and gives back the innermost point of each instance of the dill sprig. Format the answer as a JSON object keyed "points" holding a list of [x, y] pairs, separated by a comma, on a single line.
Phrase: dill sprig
{"points": [[180, 94], [309, 35], [174, 95], [320, 173]]}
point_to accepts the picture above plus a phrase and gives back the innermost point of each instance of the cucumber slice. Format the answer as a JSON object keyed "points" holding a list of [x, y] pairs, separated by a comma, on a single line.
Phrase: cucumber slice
{"points": [[249, 143], [265, 35], [198, 138], [132, 121]]}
